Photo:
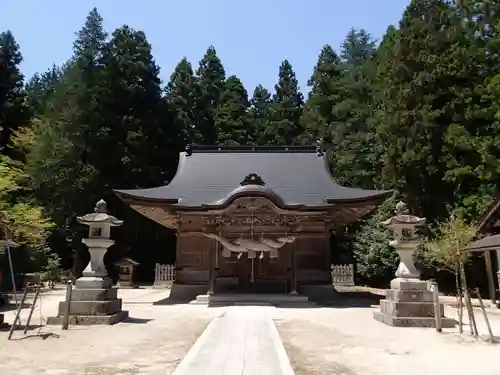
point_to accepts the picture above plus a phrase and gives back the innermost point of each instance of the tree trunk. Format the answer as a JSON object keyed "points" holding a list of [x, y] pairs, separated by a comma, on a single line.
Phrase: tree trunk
{"points": [[460, 309]]}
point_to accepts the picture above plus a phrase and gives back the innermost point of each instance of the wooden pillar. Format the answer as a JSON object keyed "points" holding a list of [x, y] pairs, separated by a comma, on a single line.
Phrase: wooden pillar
{"points": [[328, 250], [211, 271], [489, 275], [293, 261], [178, 256], [216, 265]]}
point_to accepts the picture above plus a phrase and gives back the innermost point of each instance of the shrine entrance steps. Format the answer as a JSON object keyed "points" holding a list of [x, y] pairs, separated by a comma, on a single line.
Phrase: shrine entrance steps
{"points": [[253, 299]]}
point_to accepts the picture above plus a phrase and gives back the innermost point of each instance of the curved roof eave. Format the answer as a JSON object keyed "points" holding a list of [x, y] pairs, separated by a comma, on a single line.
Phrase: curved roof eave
{"points": [[372, 195], [130, 195], [210, 180], [265, 193]]}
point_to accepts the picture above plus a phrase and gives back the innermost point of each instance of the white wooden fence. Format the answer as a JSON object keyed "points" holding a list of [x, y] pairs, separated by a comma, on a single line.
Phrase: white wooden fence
{"points": [[164, 275], [342, 274]]}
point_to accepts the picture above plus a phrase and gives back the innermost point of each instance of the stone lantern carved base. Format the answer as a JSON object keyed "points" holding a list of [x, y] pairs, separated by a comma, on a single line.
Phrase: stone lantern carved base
{"points": [[92, 302], [409, 303]]}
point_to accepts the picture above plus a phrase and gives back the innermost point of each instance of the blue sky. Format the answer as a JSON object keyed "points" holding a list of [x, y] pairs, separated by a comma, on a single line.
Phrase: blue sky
{"points": [[251, 37]]}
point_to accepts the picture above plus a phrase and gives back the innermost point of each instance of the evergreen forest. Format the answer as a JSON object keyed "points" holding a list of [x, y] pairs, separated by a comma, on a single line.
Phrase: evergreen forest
{"points": [[417, 111]]}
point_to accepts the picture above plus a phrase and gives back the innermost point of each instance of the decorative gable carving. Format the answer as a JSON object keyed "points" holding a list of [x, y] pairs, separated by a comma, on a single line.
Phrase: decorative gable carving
{"points": [[252, 179]]}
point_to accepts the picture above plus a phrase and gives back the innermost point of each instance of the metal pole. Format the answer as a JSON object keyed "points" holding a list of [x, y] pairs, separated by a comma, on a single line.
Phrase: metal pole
{"points": [[437, 306]]}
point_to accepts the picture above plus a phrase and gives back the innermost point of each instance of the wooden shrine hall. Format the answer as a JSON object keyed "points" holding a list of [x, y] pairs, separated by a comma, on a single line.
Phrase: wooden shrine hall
{"points": [[252, 219], [489, 227]]}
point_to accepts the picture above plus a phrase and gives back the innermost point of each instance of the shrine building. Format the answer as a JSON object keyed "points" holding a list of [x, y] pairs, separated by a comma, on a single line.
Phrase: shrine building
{"points": [[252, 219]]}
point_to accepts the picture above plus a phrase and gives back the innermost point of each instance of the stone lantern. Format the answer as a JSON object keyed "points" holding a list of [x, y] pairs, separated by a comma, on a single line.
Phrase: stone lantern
{"points": [[94, 300], [409, 302], [406, 240], [98, 242]]}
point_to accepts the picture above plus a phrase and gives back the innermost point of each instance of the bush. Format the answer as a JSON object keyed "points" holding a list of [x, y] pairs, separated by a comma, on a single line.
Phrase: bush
{"points": [[370, 245], [51, 267]]}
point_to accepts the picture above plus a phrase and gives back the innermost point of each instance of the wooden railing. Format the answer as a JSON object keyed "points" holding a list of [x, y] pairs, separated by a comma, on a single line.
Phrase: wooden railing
{"points": [[342, 274], [164, 275]]}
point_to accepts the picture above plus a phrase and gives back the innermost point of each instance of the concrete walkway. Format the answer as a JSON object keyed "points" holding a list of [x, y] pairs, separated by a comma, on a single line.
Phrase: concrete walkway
{"points": [[243, 341]]}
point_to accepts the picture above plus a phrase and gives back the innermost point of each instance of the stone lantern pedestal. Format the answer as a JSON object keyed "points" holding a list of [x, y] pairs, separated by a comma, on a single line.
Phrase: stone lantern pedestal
{"points": [[408, 302], [94, 299]]}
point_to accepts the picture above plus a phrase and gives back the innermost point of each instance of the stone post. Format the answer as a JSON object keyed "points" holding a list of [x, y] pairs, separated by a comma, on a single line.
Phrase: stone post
{"points": [[94, 299], [409, 302]]}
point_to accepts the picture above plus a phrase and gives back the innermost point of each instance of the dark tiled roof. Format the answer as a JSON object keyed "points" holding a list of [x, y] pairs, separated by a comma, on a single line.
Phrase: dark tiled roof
{"points": [[126, 262], [296, 175]]}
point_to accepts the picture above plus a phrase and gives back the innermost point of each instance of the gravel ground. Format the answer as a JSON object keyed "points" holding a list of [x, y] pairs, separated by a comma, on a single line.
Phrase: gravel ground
{"points": [[153, 341], [348, 341], [330, 341]]}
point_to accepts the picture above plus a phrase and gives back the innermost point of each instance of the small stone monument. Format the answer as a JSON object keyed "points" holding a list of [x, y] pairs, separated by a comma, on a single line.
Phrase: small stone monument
{"points": [[93, 299], [408, 302]]}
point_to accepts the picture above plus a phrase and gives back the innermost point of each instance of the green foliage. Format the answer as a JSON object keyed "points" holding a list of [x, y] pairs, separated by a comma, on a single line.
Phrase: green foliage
{"points": [[14, 112], [259, 113], [40, 88], [318, 116], [134, 136], [182, 95], [60, 157], [232, 121], [211, 77], [370, 245], [25, 218], [286, 109], [419, 78], [446, 250], [473, 139], [355, 153], [51, 267], [340, 107]]}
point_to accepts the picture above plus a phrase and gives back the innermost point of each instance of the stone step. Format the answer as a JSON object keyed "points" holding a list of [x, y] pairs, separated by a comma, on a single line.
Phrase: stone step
{"points": [[409, 309], [421, 322], [90, 319], [91, 307], [408, 284], [409, 295], [94, 294], [250, 299]]}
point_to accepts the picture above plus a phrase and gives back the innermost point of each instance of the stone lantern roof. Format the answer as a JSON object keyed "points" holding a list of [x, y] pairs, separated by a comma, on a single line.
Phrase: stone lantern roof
{"points": [[403, 217], [99, 216]]}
